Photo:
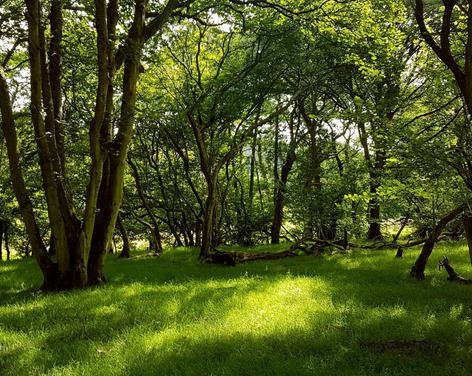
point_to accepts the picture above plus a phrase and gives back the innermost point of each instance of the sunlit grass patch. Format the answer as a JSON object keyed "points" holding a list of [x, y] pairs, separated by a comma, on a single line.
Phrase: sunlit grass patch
{"points": [[356, 314]]}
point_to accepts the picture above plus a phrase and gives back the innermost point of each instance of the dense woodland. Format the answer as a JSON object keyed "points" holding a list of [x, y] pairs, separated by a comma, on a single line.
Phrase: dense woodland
{"points": [[206, 123]]}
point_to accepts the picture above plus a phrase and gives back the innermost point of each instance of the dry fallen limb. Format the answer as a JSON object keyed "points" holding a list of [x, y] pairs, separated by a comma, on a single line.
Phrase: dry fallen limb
{"points": [[453, 276]]}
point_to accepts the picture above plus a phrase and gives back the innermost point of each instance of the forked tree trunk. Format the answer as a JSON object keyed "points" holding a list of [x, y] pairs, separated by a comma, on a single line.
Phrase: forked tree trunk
{"points": [[81, 245], [417, 271]]}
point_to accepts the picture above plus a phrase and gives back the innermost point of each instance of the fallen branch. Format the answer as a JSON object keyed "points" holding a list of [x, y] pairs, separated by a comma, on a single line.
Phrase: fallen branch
{"points": [[453, 276], [316, 245], [234, 258]]}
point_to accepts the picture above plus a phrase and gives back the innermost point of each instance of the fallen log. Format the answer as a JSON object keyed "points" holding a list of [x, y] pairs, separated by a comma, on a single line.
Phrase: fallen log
{"points": [[234, 258], [222, 258], [453, 276]]}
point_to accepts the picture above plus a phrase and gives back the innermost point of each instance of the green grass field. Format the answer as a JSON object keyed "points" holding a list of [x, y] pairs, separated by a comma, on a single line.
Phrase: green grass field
{"points": [[333, 315]]}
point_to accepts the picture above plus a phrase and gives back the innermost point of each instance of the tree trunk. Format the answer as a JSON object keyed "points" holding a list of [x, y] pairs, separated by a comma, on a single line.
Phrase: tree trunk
{"points": [[209, 218], [375, 171], [375, 232], [4, 236], [249, 227], [313, 188], [7, 245], [280, 196], [467, 222], [198, 232], [417, 271], [124, 235], [2, 226], [157, 239], [375, 168]]}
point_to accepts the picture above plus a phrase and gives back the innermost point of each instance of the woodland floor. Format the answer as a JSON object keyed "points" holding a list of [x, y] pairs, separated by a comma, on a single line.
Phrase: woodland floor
{"points": [[332, 315]]}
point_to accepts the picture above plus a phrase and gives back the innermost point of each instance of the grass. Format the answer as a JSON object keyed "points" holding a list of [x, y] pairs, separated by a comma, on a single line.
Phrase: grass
{"points": [[336, 315]]}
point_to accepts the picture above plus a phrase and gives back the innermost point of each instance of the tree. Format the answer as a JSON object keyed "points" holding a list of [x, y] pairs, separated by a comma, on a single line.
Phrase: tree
{"points": [[81, 241]]}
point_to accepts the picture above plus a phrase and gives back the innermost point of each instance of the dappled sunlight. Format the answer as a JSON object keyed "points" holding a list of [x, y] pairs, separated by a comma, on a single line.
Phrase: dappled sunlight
{"points": [[279, 306], [306, 313]]}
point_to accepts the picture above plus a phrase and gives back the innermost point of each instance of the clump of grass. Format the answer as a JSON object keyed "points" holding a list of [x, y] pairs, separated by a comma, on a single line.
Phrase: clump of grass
{"points": [[356, 314]]}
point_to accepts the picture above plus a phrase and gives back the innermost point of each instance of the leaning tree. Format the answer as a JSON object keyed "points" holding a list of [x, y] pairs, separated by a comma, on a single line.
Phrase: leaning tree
{"points": [[446, 27]]}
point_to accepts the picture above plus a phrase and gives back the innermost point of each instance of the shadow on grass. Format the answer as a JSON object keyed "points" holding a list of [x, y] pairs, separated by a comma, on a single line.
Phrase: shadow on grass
{"points": [[306, 315]]}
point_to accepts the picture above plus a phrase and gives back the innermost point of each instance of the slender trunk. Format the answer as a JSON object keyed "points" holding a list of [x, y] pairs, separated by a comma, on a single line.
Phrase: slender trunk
{"points": [[467, 221], [139, 187], [375, 168], [375, 231], [250, 212], [157, 238], [124, 235], [280, 196], [7, 245], [188, 231], [312, 184], [209, 218], [112, 183], [2, 230], [198, 232], [48, 268], [400, 230]]}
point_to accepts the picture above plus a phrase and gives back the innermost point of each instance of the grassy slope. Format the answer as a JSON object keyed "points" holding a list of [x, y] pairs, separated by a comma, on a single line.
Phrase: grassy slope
{"points": [[302, 316]]}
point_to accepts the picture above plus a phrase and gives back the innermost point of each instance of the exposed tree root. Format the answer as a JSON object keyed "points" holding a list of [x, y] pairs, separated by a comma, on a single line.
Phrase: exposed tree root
{"points": [[453, 276]]}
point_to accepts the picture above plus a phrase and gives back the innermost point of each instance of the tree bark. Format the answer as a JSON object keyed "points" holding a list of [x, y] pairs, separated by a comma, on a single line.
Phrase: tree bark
{"points": [[280, 196], [48, 268], [209, 218], [467, 222], [2, 231], [124, 235], [81, 245]]}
